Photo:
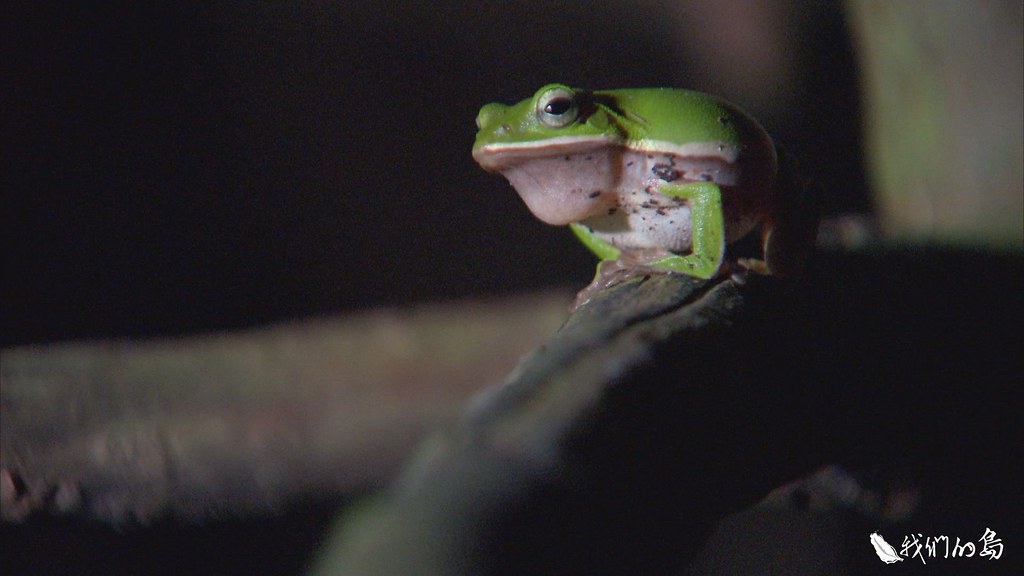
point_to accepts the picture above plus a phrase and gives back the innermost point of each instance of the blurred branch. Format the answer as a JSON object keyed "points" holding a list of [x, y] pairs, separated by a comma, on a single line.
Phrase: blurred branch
{"points": [[228, 424], [943, 85]]}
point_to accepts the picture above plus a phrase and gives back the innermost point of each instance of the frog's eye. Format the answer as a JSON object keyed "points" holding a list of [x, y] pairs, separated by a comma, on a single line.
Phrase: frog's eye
{"points": [[557, 107]]}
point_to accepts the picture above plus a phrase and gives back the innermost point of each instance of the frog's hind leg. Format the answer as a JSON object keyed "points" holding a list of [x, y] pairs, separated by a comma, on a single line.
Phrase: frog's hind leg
{"points": [[708, 224], [791, 227]]}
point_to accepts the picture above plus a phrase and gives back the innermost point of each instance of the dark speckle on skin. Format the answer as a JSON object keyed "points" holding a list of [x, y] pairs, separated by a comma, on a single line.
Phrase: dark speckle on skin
{"points": [[661, 211], [630, 163], [594, 194], [568, 158], [612, 211], [588, 158], [665, 172]]}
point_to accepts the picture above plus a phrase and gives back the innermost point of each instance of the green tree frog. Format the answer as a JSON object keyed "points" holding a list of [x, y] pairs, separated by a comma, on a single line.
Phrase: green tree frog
{"points": [[663, 178]]}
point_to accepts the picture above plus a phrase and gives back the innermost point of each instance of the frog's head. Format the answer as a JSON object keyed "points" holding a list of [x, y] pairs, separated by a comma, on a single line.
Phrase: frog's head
{"points": [[557, 149], [556, 121]]}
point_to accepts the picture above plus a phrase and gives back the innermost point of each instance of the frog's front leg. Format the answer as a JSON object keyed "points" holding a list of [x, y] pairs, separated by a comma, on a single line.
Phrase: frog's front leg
{"points": [[708, 225], [599, 246]]}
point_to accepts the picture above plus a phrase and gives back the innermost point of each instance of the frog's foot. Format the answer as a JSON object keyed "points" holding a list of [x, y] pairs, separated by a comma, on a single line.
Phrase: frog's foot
{"points": [[700, 265], [744, 269], [633, 264], [626, 266], [753, 266], [610, 273]]}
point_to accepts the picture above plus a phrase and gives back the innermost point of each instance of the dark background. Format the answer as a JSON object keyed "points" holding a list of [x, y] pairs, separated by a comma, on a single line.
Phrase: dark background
{"points": [[175, 167]]}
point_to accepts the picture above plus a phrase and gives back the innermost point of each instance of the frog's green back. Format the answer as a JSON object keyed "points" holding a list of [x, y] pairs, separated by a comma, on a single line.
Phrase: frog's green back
{"points": [[677, 116]]}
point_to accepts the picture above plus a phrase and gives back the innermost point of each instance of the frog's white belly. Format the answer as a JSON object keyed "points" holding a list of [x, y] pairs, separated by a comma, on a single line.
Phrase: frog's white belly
{"points": [[645, 219], [615, 192]]}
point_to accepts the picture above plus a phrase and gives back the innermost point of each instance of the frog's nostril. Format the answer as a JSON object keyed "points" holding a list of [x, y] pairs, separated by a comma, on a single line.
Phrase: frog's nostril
{"points": [[488, 115], [482, 118]]}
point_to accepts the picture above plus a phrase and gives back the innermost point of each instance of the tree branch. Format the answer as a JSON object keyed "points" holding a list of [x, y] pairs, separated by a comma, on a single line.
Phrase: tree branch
{"points": [[665, 405], [651, 360], [231, 424]]}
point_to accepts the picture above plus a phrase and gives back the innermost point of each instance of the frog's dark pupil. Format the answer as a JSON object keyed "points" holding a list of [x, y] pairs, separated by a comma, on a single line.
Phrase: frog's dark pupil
{"points": [[558, 106]]}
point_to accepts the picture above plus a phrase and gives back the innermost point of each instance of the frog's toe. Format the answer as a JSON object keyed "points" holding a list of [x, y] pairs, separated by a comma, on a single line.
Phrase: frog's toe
{"points": [[753, 265]]}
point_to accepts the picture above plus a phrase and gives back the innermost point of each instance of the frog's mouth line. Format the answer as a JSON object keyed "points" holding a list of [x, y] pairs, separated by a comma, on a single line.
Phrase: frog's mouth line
{"points": [[499, 155]]}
